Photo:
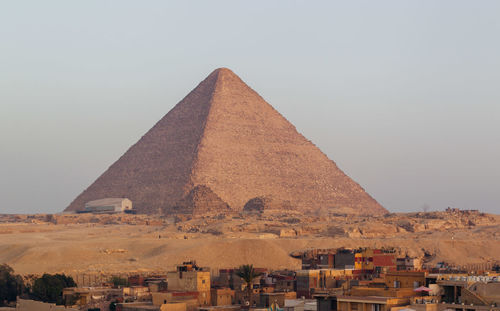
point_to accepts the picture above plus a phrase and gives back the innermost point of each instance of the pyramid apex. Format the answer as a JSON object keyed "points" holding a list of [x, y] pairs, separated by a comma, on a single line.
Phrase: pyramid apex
{"points": [[223, 71]]}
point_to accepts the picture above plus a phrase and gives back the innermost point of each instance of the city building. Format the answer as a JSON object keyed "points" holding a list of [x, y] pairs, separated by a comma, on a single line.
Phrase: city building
{"points": [[222, 296], [191, 278]]}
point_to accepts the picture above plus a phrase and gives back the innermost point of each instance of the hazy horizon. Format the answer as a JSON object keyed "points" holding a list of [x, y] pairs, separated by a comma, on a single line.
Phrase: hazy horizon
{"points": [[403, 96]]}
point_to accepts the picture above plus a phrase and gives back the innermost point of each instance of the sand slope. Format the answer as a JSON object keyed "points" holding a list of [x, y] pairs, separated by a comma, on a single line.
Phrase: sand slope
{"points": [[95, 247]]}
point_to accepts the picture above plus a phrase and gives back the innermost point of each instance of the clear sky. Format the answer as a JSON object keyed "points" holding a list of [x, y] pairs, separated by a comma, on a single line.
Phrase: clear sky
{"points": [[403, 95]]}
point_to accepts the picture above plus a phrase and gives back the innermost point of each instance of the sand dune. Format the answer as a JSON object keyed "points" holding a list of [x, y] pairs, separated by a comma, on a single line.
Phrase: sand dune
{"points": [[32, 248]]}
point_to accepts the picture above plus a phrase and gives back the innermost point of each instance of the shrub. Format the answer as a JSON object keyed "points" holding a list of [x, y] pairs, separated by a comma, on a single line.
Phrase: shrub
{"points": [[48, 288], [118, 281], [10, 285]]}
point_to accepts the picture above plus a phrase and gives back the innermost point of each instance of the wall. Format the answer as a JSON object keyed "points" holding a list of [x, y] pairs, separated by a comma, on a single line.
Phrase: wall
{"points": [[369, 306], [175, 306], [327, 304], [488, 291], [306, 279], [419, 307], [189, 281], [382, 292], [222, 297], [126, 204], [364, 260], [285, 285], [405, 279], [343, 259]]}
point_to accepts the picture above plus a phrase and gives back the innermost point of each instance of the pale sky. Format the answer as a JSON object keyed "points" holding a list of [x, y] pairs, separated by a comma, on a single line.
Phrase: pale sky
{"points": [[403, 95]]}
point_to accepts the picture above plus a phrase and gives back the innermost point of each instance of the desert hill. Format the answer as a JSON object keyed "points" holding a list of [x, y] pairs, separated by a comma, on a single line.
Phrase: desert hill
{"points": [[226, 137], [122, 243]]}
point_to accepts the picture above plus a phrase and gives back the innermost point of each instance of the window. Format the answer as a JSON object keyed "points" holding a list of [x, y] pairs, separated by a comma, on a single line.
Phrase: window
{"points": [[376, 307]]}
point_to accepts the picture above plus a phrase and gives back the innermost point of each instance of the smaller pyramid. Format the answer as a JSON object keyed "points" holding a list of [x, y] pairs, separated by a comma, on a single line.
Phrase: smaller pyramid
{"points": [[201, 200]]}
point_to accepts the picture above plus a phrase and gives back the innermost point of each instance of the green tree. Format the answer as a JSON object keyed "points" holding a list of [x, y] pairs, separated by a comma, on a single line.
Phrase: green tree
{"points": [[48, 288], [248, 274], [118, 281], [10, 285]]}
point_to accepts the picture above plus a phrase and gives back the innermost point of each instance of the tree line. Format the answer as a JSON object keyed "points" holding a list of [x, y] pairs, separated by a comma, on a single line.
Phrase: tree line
{"points": [[47, 288]]}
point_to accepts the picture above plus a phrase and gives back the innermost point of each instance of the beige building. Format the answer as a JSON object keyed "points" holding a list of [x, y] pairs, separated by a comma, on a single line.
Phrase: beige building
{"points": [[191, 278], [405, 279]]}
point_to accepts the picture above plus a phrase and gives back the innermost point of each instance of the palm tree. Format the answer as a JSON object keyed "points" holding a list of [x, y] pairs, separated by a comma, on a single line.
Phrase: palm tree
{"points": [[248, 274]]}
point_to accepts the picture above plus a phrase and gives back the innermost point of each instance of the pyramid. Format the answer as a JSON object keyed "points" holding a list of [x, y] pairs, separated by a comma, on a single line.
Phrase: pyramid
{"points": [[201, 199], [223, 135]]}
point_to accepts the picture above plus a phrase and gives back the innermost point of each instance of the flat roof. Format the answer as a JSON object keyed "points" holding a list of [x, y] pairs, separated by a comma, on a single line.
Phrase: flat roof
{"points": [[377, 299]]}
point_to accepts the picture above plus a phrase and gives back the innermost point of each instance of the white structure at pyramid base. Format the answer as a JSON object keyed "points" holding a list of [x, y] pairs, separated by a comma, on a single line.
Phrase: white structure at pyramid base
{"points": [[108, 205]]}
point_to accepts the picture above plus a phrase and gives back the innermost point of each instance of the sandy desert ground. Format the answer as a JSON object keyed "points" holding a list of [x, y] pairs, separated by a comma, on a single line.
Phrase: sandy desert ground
{"points": [[114, 244]]}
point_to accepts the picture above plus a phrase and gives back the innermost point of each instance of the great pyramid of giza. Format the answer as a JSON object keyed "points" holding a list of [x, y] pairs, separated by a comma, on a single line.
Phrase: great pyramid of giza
{"points": [[225, 136]]}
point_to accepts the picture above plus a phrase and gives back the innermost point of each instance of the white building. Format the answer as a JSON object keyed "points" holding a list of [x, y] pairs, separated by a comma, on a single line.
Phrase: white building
{"points": [[108, 205]]}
